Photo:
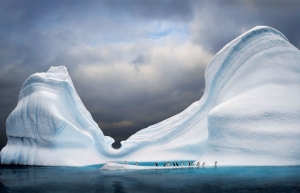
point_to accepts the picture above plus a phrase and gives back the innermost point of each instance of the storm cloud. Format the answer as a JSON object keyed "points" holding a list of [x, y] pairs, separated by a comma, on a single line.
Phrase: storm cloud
{"points": [[133, 63]]}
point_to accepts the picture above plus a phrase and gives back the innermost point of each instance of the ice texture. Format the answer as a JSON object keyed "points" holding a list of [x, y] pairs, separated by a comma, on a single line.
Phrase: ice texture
{"points": [[249, 115]]}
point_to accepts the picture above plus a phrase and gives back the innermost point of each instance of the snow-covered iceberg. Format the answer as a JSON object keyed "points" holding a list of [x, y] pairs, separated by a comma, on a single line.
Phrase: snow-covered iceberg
{"points": [[51, 126], [248, 115]]}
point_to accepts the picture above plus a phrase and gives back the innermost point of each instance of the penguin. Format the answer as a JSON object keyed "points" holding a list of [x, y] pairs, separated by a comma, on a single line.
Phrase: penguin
{"points": [[136, 163], [198, 164], [165, 164], [176, 163], [203, 164], [216, 163], [156, 164], [189, 163]]}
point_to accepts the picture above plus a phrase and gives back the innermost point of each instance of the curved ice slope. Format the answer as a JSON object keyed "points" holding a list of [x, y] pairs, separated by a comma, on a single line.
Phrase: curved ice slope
{"points": [[248, 115]]}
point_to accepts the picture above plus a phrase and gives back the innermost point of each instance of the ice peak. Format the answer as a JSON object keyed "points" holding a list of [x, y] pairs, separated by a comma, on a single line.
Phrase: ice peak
{"points": [[58, 70]]}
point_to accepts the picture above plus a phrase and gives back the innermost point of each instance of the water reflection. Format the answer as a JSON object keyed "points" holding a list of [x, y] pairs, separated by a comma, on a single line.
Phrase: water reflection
{"points": [[214, 179], [118, 187]]}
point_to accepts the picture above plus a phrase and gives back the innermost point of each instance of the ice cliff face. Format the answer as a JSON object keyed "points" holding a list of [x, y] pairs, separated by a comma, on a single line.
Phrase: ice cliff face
{"points": [[248, 115]]}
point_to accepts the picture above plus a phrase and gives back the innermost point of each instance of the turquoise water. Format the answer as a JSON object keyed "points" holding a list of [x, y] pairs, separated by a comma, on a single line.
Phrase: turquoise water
{"points": [[159, 163], [91, 179]]}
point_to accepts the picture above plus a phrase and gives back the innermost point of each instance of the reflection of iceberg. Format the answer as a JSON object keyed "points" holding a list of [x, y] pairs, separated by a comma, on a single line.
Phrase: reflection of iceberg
{"points": [[248, 115]]}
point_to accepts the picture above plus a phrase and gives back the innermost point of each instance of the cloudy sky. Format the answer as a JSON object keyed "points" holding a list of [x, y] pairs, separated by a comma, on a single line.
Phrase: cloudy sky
{"points": [[133, 62]]}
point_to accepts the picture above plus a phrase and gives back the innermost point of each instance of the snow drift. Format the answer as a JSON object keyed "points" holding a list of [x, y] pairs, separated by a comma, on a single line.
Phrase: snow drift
{"points": [[248, 115]]}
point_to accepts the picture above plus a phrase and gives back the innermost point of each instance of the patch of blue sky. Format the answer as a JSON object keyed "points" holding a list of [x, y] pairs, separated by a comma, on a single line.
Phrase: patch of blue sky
{"points": [[163, 30], [108, 39], [155, 31], [178, 34]]}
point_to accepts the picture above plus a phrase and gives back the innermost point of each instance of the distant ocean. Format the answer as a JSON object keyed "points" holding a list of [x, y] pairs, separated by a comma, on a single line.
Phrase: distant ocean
{"points": [[91, 179]]}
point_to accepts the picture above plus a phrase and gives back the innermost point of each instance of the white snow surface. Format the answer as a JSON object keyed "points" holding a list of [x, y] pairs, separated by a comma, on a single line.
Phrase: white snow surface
{"points": [[248, 115], [115, 166]]}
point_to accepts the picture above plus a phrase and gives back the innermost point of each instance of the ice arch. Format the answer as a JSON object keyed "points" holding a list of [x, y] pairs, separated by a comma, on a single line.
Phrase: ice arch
{"points": [[248, 115]]}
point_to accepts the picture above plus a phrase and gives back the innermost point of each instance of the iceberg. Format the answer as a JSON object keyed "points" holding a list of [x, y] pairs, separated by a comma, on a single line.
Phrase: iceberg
{"points": [[51, 126], [249, 115]]}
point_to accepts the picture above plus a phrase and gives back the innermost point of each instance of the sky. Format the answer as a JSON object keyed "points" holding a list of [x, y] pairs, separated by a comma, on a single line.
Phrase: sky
{"points": [[133, 63]]}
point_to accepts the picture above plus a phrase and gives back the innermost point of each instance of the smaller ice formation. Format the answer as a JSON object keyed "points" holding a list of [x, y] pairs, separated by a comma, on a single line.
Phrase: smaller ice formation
{"points": [[248, 115], [118, 166], [115, 166]]}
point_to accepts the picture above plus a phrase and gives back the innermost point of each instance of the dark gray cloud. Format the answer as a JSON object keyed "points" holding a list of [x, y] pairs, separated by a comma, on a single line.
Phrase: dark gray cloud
{"points": [[133, 63], [125, 100], [139, 60], [219, 22]]}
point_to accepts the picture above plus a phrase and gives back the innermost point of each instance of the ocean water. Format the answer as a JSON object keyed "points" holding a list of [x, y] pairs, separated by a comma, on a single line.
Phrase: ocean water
{"points": [[91, 179], [159, 163]]}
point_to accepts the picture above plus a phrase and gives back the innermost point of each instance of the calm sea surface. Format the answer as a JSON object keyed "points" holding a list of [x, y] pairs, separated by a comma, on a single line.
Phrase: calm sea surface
{"points": [[91, 179]]}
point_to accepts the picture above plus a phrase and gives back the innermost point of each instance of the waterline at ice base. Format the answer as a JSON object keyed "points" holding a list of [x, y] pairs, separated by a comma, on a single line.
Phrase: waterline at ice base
{"points": [[248, 115]]}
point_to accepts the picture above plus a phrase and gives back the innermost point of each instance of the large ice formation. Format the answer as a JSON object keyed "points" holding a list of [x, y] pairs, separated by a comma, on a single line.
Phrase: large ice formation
{"points": [[248, 115], [51, 126]]}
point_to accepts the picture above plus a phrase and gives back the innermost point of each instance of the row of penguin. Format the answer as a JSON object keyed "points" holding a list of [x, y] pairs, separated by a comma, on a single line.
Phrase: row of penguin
{"points": [[167, 164]]}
